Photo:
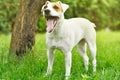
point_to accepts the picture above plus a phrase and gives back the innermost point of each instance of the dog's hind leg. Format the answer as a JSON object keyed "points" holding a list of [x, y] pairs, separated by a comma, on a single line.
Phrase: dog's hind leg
{"points": [[92, 47], [82, 52], [50, 56]]}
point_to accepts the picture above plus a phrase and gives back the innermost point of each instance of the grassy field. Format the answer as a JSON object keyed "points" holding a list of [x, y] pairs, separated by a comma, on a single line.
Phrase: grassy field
{"points": [[33, 65]]}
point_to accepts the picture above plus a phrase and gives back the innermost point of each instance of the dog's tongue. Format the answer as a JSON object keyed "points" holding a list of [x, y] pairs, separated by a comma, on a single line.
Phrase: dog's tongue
{"points": [[50, 25]]}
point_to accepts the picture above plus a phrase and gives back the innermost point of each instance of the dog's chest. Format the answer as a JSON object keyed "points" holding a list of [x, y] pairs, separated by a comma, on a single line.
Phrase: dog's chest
{"points": [[59, 42]]}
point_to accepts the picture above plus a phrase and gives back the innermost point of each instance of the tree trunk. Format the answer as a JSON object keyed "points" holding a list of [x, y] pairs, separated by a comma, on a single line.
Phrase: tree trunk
{"points": [[23, 33]]}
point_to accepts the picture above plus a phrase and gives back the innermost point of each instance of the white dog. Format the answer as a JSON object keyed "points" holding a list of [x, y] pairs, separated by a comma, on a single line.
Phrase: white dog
{"points": [[64, 34]]}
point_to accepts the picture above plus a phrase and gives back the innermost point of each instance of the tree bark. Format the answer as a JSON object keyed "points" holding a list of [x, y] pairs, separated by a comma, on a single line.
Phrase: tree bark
{"points": [[23, 33]]}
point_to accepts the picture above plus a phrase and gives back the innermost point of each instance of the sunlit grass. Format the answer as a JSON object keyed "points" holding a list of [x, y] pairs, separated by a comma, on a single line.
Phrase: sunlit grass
{"points": [[33, 65]]}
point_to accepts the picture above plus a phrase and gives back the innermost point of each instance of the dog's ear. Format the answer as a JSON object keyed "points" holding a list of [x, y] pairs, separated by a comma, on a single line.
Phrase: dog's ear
{"points": [[47, 2], [44, 5], [64, 6]]}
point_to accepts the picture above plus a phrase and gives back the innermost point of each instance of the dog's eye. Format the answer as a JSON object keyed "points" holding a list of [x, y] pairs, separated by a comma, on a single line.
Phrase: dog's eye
{"points": [[55, 7], [45, 6]]}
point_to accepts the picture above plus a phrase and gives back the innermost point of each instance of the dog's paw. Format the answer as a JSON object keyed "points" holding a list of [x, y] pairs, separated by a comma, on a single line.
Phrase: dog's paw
{"points": [[67, 78], [48, 73], [94, 69]]}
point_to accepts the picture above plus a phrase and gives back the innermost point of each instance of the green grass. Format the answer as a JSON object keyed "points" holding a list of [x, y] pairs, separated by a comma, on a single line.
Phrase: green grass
{"points": [[33, 65]]}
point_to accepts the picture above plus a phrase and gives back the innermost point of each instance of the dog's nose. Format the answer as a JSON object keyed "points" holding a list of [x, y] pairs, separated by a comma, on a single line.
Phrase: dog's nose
{"points": [[47, 11]]}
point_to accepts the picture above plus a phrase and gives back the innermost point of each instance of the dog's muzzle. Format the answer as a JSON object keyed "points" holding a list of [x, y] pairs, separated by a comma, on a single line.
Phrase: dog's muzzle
{"points": [[51, 22], [47, 12]]}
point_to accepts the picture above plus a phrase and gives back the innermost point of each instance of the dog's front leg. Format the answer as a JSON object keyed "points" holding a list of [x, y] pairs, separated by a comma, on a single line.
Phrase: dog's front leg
{"points": [[50, 56], [68, 64]]}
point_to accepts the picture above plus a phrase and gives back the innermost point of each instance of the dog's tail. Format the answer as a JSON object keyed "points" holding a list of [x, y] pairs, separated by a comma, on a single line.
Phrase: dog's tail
{"points": [[93, 25]]}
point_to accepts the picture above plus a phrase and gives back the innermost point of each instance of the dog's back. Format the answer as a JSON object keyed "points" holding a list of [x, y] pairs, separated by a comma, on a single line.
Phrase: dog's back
{"points": [[80, 27]]}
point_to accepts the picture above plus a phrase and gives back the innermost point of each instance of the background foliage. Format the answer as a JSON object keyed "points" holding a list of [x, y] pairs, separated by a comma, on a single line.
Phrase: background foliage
{"points": [[104, 13], [8, 9]]}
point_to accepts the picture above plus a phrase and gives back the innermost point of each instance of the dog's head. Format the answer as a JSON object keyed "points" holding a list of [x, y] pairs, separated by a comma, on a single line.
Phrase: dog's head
{"points": [[53, 11]]}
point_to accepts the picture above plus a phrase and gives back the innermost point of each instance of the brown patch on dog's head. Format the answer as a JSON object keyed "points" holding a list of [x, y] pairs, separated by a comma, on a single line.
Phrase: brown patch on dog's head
{"points": [[57, 7]]}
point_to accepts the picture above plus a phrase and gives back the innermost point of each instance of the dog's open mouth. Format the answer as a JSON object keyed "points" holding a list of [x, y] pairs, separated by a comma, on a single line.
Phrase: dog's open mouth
{"points": [[51, 22]]}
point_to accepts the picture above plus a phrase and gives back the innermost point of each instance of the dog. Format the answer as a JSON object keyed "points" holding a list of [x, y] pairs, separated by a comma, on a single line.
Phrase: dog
{"points": [[64, 34]]}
